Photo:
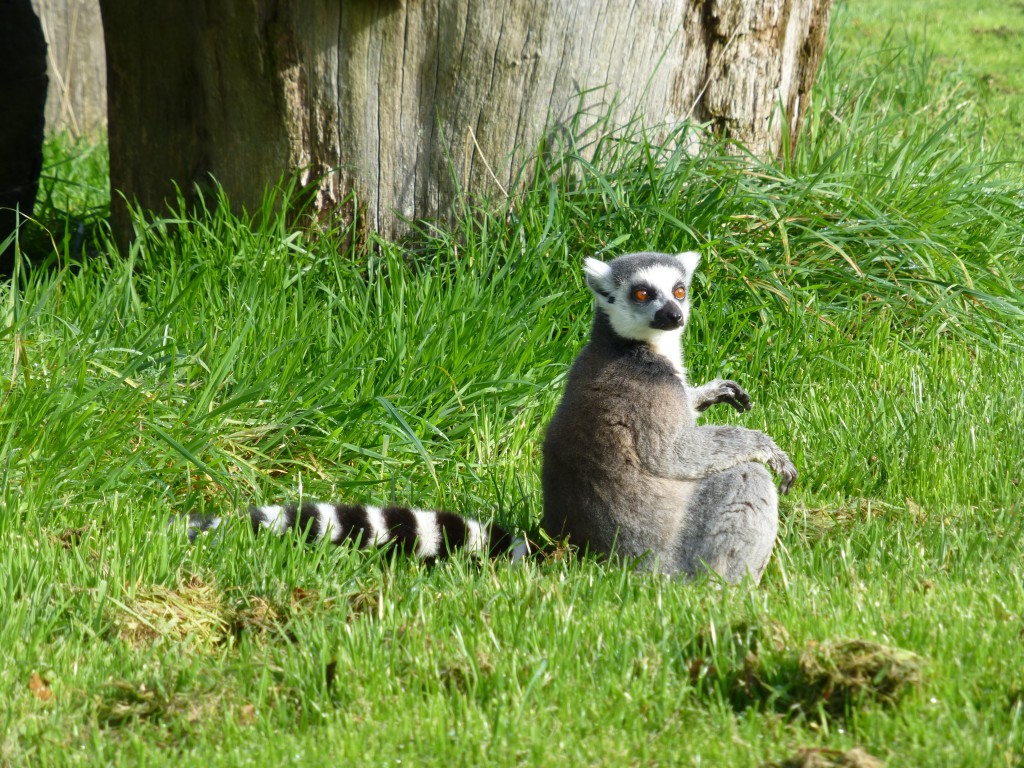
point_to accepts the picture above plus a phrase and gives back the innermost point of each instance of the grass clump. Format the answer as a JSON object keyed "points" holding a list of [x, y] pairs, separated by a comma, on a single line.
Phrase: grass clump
{"points": [[818, 757], [842, 673], [759, 665], [193, 611], [866, 291]]}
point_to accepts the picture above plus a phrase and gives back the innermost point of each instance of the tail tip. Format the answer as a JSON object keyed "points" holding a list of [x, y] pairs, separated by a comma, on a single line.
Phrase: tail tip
{"points": [[520, 550]]}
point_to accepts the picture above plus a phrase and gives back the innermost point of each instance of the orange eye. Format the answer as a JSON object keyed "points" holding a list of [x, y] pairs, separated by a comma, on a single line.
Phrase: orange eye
{"points": [[679, 292], [641, 294]]}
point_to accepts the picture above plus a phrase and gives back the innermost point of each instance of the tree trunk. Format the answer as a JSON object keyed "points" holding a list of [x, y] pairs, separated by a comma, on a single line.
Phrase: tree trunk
{"points": [[409, 103], [23, 90], [76, 65]]}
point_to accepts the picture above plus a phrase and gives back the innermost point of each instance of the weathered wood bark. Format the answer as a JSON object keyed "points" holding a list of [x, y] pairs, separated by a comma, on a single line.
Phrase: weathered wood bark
{"points": [[76, 66], [409, 102], [22, 97]]}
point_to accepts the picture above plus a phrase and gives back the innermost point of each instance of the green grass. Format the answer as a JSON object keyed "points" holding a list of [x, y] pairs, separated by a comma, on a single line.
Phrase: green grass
{"points": [[867, 293], [979, 44]]}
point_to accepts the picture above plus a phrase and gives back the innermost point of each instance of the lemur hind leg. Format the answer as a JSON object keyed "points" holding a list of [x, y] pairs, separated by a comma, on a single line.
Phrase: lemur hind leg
{"points": [[732, 522]]}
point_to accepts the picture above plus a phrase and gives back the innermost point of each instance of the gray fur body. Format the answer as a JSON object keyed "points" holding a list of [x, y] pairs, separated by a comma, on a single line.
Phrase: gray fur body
{"points": [[627, 470]]}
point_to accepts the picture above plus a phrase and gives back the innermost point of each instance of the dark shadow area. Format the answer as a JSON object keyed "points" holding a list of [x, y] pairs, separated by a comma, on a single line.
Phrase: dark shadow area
{"points": [[23, 84], [71, 215]]}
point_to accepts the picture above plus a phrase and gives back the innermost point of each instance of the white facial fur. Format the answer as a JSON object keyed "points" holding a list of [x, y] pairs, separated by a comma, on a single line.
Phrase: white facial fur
{"points": [[632, 320]]}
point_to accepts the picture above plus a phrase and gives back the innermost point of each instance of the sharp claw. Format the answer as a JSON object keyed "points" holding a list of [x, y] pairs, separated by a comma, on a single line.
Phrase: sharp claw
{"points": [[739, 398], [738, 401], [788, 481]]}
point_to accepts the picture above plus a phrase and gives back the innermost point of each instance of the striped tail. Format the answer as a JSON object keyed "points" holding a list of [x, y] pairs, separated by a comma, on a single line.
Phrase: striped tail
{"points": [[424, 534]]}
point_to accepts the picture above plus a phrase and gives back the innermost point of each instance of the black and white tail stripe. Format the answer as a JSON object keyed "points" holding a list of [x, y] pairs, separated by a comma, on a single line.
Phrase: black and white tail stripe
{"points": [[424, 534]]}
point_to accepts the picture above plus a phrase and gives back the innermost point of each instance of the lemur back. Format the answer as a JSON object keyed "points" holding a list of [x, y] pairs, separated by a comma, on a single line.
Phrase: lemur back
{"points": [[626, 468]]}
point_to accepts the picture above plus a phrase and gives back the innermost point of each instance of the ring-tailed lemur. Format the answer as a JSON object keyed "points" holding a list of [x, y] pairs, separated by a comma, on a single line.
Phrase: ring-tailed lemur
{"points": [[425, 534], [626, 468]]}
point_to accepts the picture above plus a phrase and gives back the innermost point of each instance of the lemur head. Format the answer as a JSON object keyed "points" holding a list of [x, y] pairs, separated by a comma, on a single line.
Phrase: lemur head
{"points": [[646, 296]]}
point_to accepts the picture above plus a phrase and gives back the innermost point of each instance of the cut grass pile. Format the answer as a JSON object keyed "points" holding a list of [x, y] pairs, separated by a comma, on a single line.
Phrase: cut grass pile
{"points": [[867, 293]]}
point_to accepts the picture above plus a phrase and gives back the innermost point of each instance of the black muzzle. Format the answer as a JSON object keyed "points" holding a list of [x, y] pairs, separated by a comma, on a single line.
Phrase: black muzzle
{"points": [[668, 318]]}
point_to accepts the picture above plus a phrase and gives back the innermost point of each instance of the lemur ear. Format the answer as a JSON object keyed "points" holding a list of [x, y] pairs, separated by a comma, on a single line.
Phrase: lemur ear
{"points": [[599, 276], [689, 260]]}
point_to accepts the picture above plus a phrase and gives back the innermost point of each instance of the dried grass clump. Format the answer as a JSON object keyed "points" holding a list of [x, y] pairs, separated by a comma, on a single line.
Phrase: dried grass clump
{"points": [[194, 611], [820, 757], [755, 664], [843, 672]]}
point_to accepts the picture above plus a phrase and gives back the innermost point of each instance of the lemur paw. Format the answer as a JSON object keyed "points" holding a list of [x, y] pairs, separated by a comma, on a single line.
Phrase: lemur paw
{"points": [[725, 391], [781, 465]]}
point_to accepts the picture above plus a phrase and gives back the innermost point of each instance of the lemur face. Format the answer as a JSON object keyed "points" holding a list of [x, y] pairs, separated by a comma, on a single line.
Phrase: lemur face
{"points": [[644, 294]]}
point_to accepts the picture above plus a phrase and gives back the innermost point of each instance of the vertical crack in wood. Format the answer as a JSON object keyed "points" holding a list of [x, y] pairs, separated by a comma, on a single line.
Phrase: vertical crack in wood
{"points": [[526, 63], [612, 60], [549, 118], [401, 171], [340, 149], [434, 117], [380, 78], [482, 109], [453, 132]]}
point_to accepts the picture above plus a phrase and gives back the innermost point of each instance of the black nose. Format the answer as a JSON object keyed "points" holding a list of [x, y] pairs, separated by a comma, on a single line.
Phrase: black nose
{"points": [[668, 318]]}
